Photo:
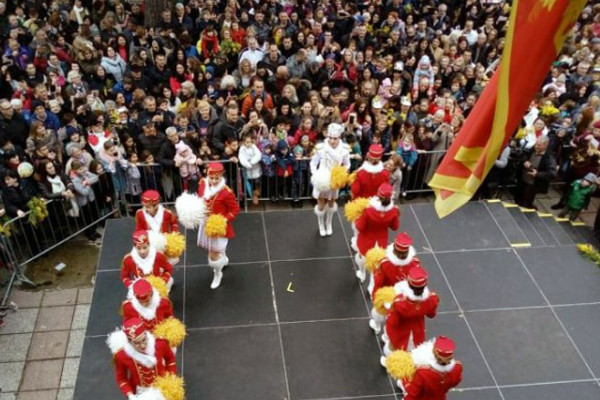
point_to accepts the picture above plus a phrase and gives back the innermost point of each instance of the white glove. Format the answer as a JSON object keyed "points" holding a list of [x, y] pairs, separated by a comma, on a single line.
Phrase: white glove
{"points": [[387, 306], [131, 397]]}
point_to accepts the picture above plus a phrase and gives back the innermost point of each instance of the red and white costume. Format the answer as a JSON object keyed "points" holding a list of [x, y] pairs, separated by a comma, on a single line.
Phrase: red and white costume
{"points": [[155, 312], [373, 226], [393, 269], [155, 263], [164, 221], [219, 199], [324, 159], [369, 177], [136, 371], [432, 381], [405, 324]]}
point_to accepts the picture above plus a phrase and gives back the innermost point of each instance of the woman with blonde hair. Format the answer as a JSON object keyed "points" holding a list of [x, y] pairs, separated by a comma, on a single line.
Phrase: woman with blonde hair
{"points": [[40, 136], [243, 75]]}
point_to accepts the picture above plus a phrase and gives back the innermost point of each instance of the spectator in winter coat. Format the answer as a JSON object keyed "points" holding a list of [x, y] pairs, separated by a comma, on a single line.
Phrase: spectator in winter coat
{"points": [[284, 170], [186, 161], [227, 128], [249, 157]]}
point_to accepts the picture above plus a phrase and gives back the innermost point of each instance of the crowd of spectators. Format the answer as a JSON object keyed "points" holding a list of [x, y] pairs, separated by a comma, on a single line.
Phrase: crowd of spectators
{"points": [[91, 89]]}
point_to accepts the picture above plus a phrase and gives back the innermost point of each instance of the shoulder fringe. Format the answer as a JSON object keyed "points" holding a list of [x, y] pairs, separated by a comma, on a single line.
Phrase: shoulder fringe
{"points": [[423, 356], [116, 341], [151, 394], [389, 254], [403, 289]]}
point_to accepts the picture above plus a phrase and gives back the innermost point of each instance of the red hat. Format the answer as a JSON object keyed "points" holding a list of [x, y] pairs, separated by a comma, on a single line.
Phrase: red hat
{"points": [[215, 168], [402, 242], [142, 289], [444, 347], [385, 190], [150, 197], [140, 237], [134, 328], [375, 151], [417, 277]]}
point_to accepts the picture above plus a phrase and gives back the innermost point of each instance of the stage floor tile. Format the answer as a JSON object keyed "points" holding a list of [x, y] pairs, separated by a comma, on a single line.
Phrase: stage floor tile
{"points": [[577, 390], [234, 363], [489, 279], [526, 346], [116, 242], [483, 394], [295, 235], [563, 274], [243, 298], [317, 289], [333, 359], [470, 227], [582, 324], [437, 283]]}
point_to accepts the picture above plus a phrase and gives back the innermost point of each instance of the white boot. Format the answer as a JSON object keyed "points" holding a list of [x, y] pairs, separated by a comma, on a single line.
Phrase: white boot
{"points": [[217, 266], [376, 322], [353, 243], [321, 219], [382, 361], [371, 285], [360, 263], [387, 349], [329, 221]]}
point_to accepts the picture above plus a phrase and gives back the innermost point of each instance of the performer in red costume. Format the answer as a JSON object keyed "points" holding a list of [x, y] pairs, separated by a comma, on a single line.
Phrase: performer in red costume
{"points": [[144, 260], [373, 225], [139, 358], [405, 325], [144, 302], [436, 371], [400, 257], [369, 178], [219, 199], [153, 216]]}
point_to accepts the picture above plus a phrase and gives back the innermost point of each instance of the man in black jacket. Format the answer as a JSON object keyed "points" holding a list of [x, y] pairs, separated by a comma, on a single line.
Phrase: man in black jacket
{"points": [[227, 128], [150, 139], [12, 125], [537, 170]]}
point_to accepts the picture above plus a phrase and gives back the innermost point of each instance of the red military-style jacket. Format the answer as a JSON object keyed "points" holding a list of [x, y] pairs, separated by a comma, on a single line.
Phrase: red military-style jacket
{"points": [[131, 374], [367, 183], [223, 203], [406, 318], [169, 222], [130, 270], [429, 383], [163, 310], [392, 269], [373, 225]]}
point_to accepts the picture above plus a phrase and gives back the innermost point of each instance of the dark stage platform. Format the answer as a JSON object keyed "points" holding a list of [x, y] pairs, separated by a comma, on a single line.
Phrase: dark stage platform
{"points": [[290, 320]]}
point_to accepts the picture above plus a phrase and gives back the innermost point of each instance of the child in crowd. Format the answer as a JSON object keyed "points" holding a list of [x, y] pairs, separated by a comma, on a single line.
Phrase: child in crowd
{"points": [[185, 160], [394, 165], [285, 161], [232, 147], [300, 178], [83, 180], [150, 173], [250, 157], [134, 185], [408, 152], [579, 196], [268, 172]]}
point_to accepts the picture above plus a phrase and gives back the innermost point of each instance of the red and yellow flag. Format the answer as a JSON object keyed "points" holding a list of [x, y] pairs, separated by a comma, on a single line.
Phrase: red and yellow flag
{"points": [[536, 32]]}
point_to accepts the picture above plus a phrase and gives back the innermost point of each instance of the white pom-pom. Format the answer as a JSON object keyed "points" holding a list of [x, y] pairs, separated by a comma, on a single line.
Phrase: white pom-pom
{"points": [[321, 180], [191, 210], [150, 394], [157, 240]]}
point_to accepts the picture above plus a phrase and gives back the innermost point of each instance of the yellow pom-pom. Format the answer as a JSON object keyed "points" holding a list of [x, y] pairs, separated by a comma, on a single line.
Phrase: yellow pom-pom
{"points": [[158, 284], [216, 226], [589, 251], [400, 365], [339, 177], [171, 387], [373, 258], [175, 244], [352, 178], [172, 330], [355, 208], [384, 295]]}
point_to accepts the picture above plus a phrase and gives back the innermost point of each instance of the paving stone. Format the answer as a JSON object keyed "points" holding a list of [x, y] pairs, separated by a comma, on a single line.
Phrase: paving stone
{"points": [[55, 318], [23, 321], [65, 394], [37, 395], [46, 345], [39, 375], [69, 373], [10, 376], [85, 295], [14, 347], [8, 396], [60, 298], [75, 346], [80, 318], [25, 299]]}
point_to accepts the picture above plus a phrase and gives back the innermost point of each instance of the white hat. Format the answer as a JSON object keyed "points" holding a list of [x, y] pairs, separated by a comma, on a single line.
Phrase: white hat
{"points": [[335, 130]]}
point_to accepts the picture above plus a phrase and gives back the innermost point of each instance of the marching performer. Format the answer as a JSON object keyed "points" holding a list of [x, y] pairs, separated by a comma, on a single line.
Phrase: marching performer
{"points": [[219, 200], [436, 370], [369, 178], [139, 358], [144, 302], [373, 225], [329, 154], [405, 325], [144, 260], [153, 216], [400, 258]]}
